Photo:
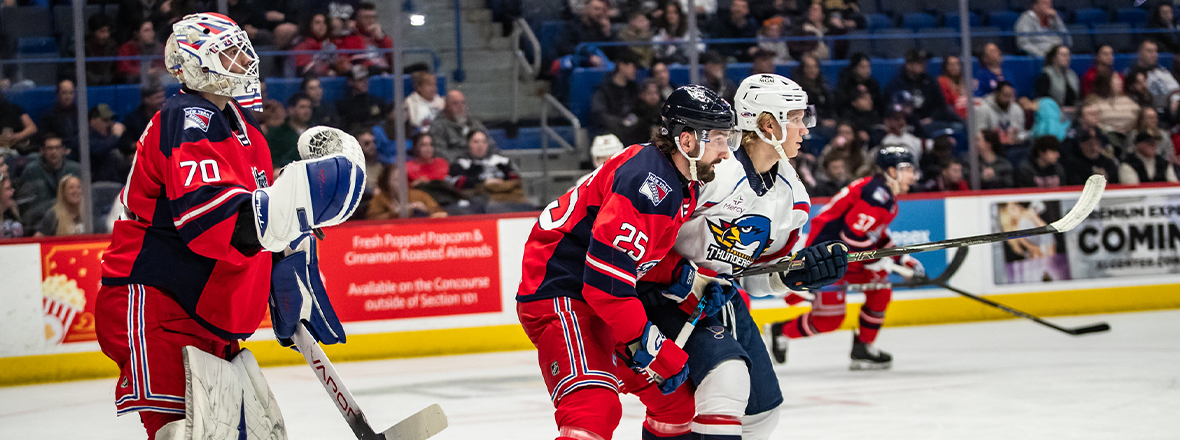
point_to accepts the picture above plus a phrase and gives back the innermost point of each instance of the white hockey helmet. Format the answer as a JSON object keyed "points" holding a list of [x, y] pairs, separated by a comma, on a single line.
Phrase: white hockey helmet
{"points": [[606, 145], [208, 52], [773, 94]]}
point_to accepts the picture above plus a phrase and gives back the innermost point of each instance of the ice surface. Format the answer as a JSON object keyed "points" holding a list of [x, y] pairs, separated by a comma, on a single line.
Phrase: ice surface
{"points": [[1007, 379]]}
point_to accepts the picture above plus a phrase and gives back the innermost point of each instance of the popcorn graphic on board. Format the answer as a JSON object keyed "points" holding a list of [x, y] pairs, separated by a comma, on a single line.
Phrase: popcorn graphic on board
{"points": [[61, 300], [71, 275]]}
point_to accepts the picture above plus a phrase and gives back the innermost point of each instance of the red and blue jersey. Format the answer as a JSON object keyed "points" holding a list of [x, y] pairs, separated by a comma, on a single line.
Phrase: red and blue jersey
{"points": [[859, 215], [596, 240], [194, 171]]}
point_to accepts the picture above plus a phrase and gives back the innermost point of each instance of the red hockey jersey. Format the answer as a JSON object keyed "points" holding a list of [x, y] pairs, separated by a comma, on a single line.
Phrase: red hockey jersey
{"points": [[858, 215], [194, 170], [596, 240]]}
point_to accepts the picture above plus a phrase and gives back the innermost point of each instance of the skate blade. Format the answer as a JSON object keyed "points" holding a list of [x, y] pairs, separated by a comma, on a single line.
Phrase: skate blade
{"points": [[768, 339], [858, 365]]}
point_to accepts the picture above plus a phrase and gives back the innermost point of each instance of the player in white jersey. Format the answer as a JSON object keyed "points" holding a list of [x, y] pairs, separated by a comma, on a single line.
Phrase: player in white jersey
{"points": [[748, 216]]}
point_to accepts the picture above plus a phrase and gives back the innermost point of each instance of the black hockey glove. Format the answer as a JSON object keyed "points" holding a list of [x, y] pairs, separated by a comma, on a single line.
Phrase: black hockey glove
{"points": [[824, 263]]}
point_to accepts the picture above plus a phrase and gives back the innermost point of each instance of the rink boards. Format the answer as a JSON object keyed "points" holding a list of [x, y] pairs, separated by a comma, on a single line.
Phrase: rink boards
{"points": [[437, 287]]}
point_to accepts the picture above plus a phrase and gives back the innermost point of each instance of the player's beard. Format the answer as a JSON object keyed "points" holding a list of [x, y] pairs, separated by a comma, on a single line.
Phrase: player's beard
{"points": [[705, 171]]}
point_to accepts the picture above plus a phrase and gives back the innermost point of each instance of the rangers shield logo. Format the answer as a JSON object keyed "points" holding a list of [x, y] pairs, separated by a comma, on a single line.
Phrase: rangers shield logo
{"points": [[196, 117], [655, 189]]}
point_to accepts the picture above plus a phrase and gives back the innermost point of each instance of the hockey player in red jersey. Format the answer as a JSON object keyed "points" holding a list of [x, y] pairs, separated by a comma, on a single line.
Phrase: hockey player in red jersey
{"points": [[577, 299], [189, 269], [859, 216]]}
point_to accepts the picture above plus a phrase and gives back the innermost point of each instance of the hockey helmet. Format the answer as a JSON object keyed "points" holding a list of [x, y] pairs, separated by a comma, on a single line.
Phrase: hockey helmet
{"points": [[894, 156], [605, 146], [697, 108], [208, 52], [773, 94]]}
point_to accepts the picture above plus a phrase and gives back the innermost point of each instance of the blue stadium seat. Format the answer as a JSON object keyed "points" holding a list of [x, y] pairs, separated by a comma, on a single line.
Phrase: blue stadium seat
{"points": [[939, 46], [1133, 16], [32, 48], [25, 21], [902, 40], [529, 137], [37, 46], [899, 7], [878, 21], [1002, 19], [918, 20], [1116, 36], [951, 19], [1090, 16], [860, 41], [1083, 42]]}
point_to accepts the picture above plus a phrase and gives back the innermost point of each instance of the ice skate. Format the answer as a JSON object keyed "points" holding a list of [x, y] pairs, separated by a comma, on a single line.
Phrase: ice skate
{"points": [[867, 357], [776, 341]]}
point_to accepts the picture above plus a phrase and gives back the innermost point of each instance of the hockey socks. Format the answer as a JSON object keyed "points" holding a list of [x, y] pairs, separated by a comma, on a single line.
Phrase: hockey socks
{"points": [[716, 427]]}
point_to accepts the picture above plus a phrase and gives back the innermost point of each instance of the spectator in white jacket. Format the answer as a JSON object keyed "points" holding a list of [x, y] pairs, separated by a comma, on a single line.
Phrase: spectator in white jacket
{"points": [[1001, 113], [1039, 18]]}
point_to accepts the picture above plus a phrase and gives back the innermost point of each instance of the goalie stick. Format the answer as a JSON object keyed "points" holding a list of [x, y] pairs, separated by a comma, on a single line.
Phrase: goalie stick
{"points": [[1091, 194], [1093, 328], [419, 426]]}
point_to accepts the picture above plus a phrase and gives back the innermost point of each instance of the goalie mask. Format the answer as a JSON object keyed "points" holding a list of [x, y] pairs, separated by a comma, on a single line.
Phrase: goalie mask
{"points": [[208, 52], [773, 94]]}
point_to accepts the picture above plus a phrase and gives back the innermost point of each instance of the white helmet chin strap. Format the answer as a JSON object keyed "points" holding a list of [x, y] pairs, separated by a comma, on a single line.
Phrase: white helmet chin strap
{"points": [[692, 161], [776, 143]]}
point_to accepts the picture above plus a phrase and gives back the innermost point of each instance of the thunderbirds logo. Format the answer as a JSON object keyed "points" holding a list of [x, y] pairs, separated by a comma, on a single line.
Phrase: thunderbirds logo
{"points": [[739, 242]]}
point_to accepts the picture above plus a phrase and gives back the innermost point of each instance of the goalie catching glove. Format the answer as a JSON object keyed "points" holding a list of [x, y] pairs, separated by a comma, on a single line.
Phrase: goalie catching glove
{"points": [[655, 358], [298, 296], [824, 264]]}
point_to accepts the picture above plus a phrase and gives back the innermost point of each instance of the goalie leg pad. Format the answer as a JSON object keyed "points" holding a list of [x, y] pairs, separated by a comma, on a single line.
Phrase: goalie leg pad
{"points": [[229, 400]]}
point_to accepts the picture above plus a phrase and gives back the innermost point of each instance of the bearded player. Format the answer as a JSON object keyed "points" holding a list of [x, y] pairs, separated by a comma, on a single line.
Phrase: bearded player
{"points": [[748, 217], [189, 269], [858, 215], [577, 299]]}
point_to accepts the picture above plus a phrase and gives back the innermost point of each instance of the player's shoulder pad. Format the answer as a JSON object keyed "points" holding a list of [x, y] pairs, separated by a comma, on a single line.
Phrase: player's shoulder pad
{"points": [[190, 118], [650, 181], [876, 193]]}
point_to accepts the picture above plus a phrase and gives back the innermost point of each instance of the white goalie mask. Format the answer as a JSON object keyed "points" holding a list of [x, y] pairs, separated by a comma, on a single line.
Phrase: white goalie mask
{"points": [[208, 52], [773, 94]]}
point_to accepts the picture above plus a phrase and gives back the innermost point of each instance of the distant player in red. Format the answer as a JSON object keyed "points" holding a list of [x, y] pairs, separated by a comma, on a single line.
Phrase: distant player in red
{"points": [[858, 215], [189, 269], [577, 299]]}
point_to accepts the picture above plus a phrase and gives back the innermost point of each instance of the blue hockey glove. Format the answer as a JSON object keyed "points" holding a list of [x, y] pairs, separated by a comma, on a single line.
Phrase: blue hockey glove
{"points": [[657, 359], [298, 296], [717, 295], [691, 287], [824, 263]]}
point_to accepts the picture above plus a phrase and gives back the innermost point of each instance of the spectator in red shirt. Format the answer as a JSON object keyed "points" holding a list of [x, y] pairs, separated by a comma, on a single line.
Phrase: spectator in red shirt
{"points": [[369, 37], [315, 35], [1103, 63], [144, 43], [423, 165]]}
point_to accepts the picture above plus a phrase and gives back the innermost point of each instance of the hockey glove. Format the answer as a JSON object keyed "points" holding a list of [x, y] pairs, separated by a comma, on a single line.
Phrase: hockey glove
{"points": [[690, 286], [298, 296], [655, 358], [308, 194], [824, 264], [717, 295], [913, 265]]}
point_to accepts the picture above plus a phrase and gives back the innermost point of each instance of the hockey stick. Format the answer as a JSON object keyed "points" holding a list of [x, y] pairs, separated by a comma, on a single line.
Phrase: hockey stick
{"points": [[942, 278], [1093, 328], [420, 426], [1091, 194]]}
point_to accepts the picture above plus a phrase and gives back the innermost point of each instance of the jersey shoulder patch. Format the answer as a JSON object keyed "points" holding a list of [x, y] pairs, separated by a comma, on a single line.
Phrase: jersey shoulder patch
{"points": [[197, 117], [649, 180], [876, 193], [655, 188]]}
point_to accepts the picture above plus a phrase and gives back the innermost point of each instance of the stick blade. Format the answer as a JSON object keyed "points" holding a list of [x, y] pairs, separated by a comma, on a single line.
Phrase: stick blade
{"points": [[1096, 328], [420, 426], [1089, 199]]}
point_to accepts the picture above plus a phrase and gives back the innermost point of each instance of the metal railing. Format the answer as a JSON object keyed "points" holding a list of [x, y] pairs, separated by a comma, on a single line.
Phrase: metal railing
{"points": [[521, 64], [548, 102]]}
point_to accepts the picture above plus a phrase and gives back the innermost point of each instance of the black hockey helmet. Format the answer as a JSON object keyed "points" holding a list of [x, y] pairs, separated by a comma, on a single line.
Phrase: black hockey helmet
{"points": [[696, 107], [894, 155]]}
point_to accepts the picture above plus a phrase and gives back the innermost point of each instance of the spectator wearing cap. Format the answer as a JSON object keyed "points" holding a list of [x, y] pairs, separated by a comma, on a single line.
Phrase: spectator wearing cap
{"points": [[284, 139], [1093, 158], [368, 37], [99, 44], [591, 25], [734, 22], [929, 106], [449, 131], [151, 101], [1041, 169], [1103, 64], [897, 132], [638, 29], [809, 77], [424, 104], [38, 187], [145, 44], [995, 171], [857, 78], [614, 102], [322, 113], [1163, 86], [1144, 163], [360, 108], [1057, 80], [991, 71], [715, 78], [106, 163], [62, 118], [1000, 112], [1148, 122], [1042, 19], [770, 40]]}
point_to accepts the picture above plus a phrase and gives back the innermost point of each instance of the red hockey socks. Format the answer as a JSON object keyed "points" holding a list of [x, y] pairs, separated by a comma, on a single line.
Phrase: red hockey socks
{"points": [[872, 314], [590, 413]]}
